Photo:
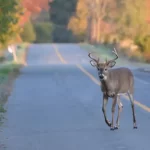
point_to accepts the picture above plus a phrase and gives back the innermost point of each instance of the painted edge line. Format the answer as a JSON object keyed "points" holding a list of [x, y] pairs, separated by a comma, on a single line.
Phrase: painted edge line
{"points": [[144, 107], [97, 82]]}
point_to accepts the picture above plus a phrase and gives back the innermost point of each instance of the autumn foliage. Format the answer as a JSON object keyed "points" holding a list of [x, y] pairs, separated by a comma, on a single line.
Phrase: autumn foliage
{"points": [[35, 6], [14, 15], [32, 7], [114, 22]]}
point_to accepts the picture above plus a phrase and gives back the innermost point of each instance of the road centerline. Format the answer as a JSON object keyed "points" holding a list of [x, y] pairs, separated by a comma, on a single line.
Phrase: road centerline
{"points": [[59, 55], [144, 107]]}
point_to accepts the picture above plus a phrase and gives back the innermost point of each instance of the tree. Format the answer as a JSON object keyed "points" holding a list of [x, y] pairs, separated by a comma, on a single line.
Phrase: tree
{"points": [[10, 11], [89, 18], [133, 21], [35, 6], [28, 34], [78, 22], [43, 32], [32, 8], [60, 13]]}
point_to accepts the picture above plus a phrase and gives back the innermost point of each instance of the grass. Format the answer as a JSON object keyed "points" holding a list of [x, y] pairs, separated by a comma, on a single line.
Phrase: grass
{"points": [[102, 52], [106, 52], [8, 72], [6, 69], [2, 110]]}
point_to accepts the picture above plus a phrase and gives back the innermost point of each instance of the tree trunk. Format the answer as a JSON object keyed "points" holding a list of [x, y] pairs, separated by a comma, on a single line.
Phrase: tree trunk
{"points": [[98, 31], [94, 30], [88, 31]]}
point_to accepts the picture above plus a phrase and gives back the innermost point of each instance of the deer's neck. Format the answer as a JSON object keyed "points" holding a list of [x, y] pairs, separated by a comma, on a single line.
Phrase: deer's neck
{"points": [[106, 87], [105, 84]]}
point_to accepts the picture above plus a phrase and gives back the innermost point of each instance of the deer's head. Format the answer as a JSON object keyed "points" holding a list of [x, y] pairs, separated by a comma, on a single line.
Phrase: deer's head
{"points": [[103, 67]]}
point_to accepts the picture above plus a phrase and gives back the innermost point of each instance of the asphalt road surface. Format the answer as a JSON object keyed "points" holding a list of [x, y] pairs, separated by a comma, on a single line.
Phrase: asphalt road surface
{"points": [[56, 104]]}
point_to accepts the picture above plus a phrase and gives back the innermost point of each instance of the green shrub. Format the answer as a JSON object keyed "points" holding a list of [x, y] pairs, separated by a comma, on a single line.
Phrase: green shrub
{"points": [[43, 32], [28, 34]]}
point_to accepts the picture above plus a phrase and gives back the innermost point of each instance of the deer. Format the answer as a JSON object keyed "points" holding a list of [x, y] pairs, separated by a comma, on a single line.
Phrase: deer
{"points": [[114, 83]]}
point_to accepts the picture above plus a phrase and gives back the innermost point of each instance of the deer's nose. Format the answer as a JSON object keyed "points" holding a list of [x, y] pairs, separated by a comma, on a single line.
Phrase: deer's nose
{"points": [[101, 76]]}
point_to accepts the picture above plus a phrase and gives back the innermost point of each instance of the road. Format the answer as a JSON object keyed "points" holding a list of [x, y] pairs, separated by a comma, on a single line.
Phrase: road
{"points": [[56, 104]]}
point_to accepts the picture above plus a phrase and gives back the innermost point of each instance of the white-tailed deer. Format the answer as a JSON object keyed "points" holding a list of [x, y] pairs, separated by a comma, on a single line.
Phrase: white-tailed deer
{"points": [[114, 82]]}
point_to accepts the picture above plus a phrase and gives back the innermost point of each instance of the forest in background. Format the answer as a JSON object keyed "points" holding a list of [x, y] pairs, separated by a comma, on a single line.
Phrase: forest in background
{"points": [[121, 23]]}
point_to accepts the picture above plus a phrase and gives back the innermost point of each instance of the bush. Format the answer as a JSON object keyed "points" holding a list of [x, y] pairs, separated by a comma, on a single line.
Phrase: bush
{"points": [[2, 59], [43, 32], [136, 56], [28, 34], [147, 57]]}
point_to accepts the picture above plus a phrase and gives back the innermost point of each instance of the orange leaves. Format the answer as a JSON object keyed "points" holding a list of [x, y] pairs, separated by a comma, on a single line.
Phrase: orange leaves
{"points": [[24, 18], [32, 7], [148, 11], [35, 6]]}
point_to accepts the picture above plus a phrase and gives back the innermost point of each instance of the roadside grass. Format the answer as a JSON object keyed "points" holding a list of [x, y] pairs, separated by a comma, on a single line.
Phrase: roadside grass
{"points": [[9, 70], [103, 52], [2, 110], [100, 51]]}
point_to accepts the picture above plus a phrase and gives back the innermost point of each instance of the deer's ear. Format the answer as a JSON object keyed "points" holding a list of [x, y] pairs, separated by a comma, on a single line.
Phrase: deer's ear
{"points": [[111, 64], [93, 63]]}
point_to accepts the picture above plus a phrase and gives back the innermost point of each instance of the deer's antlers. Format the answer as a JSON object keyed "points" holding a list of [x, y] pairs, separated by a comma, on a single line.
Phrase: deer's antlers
{"points": [[115, 52], [93, 59]]}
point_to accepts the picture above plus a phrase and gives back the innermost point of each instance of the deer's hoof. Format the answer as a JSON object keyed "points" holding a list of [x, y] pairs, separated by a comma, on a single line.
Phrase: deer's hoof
{"points": [[112, 128], [109, 124], [116, 127]]}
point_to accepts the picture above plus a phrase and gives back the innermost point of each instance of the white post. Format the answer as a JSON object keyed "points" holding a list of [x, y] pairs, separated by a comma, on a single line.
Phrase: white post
{"points": [[12, 49]]}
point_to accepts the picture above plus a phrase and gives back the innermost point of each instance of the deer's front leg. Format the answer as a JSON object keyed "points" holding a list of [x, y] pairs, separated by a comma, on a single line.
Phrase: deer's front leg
{"points": [[113, 111], [120, 106], [105, 101]]}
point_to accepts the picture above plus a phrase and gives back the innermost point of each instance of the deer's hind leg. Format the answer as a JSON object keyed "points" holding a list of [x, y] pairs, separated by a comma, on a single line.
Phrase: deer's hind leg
{"points": [[120, 107], [133, 110]]}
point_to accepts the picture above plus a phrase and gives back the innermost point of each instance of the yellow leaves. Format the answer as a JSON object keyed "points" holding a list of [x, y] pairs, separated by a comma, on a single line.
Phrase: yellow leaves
{"points": [[78, 23], [13, 28], [73, 23], [82, 9], [9, 17], [77, 26]]}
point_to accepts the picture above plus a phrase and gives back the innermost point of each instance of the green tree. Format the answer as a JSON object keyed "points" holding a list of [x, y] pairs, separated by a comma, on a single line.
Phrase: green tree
{"points": [[10, 11], [28, 34], [43, 32], [60, 13]]}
